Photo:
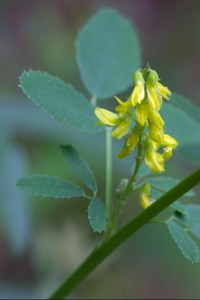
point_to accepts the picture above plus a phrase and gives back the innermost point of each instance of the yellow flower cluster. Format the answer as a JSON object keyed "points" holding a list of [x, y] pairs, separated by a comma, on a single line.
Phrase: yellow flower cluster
{"points": [[146, 100]]}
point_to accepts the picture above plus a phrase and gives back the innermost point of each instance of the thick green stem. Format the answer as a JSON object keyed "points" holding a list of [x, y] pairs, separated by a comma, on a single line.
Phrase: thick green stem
{"points": [[100, 253], [108, 175]]}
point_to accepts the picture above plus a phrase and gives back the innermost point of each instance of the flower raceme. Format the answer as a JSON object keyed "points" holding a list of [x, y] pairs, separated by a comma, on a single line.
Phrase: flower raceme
{"points": [[139, 121]]}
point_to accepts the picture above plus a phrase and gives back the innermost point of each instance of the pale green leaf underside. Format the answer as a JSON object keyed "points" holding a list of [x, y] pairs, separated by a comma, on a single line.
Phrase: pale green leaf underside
{"points": [[48, 186], [195, 231], [179, 207], [162, 184], [97, 215], [184, 242], [192, 218], [79, 165], [60, 100], [107, 53]]}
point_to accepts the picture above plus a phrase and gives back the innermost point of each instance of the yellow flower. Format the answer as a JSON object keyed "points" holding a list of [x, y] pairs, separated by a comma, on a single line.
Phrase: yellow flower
{"points": [[155, 133], [155, 129], [170, 144], [153, 159], [139, 90], [144, 200], [155, 145], [154, 98], [123, 127], [138, 94], [164, 91], [123, 107], [129, 145], [169, 141], [123, 122], [141, 113], [155, 91], [107, 117], [155, 119], [167, 153]]}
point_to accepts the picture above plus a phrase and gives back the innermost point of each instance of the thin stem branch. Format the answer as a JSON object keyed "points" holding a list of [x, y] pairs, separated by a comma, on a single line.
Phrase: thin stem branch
{"points": [[108, 175], [124, 196], [136, 170], [102, 252]]}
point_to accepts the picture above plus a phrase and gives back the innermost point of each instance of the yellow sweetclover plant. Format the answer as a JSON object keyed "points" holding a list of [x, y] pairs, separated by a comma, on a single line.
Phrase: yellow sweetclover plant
{"points": [[138, 120]]}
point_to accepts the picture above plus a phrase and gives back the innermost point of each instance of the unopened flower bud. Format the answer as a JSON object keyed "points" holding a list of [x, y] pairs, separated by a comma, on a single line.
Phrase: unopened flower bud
{"points": [[152, 78], [139, 91]]}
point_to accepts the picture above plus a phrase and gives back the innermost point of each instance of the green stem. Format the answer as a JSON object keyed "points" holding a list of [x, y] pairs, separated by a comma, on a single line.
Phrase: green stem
{"points": [[102, 252], [136, 170], [124, 196], [108, 175]]}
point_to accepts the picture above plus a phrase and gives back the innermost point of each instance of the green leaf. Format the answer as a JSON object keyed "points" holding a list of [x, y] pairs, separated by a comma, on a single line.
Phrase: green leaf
{"points": [[179, 207], [192, 218], [60, 100], [79, 165], [184, 242], [97, 215], [180, 125], [162, 184], [188, 107], [107, 54], [190, 152], [47, 186], [195, 231]]}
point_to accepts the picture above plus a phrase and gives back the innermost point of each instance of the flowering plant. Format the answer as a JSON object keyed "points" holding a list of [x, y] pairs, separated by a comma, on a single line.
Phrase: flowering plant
{"points": [[138, 121]]}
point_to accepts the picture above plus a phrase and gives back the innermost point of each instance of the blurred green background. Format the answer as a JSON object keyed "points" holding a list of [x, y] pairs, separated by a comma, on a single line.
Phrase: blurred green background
{"points": [[43, 240]]}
